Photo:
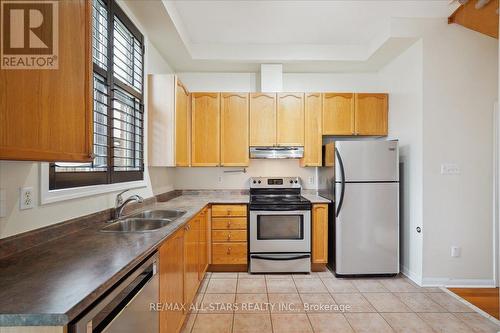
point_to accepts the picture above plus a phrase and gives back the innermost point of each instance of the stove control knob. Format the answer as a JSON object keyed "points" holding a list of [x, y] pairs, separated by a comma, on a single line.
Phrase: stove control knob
{"points": [[291, 181], [259, 182], [296, 182], [255, 182]]}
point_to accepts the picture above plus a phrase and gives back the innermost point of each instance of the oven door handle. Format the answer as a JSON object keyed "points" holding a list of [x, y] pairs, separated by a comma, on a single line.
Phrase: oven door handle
{"points": [[302, 256]]}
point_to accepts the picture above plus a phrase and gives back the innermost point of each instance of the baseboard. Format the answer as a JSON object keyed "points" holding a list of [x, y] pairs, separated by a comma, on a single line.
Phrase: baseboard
{"points": [[411, 275], [458, 283]]}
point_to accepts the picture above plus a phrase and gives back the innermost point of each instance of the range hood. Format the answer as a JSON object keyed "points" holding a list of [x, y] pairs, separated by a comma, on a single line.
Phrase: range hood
{"points": [[276, 152]]}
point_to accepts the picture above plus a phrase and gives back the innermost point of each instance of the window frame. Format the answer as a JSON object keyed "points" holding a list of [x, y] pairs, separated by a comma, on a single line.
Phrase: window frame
{"points": [[79, 179]]}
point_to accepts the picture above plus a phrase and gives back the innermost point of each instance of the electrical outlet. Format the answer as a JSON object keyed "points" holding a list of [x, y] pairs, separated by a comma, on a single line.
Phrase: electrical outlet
{"points": [[455, 251], [310, 180], [219, 179], [450, 169], [26, 198]]}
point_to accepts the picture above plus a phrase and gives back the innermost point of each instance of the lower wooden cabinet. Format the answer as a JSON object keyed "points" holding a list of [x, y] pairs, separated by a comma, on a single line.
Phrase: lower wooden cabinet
{"points": [[229, 253], [229, 235], [191, 251], [203, 244], [183, 263], [171, 272], [320, 234]]}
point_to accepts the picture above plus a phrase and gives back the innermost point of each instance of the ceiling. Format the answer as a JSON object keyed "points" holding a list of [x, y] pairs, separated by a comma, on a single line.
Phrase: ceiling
{"points": [[306, 36]]}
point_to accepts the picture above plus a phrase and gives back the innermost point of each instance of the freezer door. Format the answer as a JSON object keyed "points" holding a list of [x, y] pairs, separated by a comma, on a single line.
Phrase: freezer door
{"points": [[361, 161], [367, 229]]}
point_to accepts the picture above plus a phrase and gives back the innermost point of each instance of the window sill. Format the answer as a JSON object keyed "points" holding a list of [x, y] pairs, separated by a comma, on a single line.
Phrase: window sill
{"points": [[48, 197]]}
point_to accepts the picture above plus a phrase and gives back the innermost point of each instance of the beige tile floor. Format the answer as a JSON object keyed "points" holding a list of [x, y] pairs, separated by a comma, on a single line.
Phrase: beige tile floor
{"points": [[319, 302]]}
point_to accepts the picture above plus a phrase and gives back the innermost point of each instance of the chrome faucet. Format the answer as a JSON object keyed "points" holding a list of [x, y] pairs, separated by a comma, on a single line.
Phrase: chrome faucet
{"points": [[120, 203]]}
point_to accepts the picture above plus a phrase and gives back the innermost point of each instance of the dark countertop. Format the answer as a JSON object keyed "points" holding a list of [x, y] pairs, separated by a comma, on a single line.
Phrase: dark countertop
{"points": [[50, 284]]}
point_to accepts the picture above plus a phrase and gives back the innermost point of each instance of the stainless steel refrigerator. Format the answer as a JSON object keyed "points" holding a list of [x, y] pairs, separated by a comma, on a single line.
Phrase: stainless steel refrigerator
{"points": [[363, 182]]}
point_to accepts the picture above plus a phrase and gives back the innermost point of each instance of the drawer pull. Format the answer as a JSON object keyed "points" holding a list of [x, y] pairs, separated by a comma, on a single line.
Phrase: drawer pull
{"points": [[228, 237], [229, 224], [228, 250], [229, 212]]}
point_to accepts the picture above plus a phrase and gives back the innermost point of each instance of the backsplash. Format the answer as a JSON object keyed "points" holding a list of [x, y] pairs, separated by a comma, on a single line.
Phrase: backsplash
{"points": [[216, 178]]}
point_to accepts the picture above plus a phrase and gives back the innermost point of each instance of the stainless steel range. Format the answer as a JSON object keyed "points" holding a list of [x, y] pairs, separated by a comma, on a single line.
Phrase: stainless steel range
{"points": [[280, 226]]}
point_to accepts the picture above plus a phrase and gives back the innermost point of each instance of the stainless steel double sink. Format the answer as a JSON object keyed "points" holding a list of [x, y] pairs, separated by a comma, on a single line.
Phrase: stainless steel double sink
{"points": [[147, 221]]}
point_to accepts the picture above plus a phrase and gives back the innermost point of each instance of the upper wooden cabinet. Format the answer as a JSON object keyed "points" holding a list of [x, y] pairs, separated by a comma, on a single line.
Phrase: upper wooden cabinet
{"points": [[290, 119], [234, 129], [182, 125], [338, 114], [312, 130], [205, 139], [46, 114], [262, 119], [169, 121], [371, 114]]}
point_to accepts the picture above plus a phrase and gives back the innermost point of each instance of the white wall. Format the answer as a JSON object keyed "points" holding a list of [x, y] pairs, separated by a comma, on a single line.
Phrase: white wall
{"points": [[460, 89], [14, 175], [403, 79]]}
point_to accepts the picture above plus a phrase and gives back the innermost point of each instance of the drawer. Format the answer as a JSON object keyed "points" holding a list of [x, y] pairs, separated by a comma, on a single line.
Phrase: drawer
{"points": [[229, 253], [229, 235], [229, 223], [229, 210]]}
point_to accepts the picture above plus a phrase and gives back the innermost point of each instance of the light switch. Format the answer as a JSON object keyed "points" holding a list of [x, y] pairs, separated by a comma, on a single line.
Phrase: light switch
{"points": [[450, 169]]}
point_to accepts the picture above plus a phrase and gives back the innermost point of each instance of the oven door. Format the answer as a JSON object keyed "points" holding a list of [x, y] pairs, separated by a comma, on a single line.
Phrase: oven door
{"points": [[280, 231]]}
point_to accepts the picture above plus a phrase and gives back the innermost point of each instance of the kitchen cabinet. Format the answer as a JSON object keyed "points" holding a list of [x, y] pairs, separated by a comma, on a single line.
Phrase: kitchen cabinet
{"points": [[320, 233], [47, 114], [262, 119], [182, 125], [371, 114], [329, 155], [191, 255], [290, 119], [234, 129], [203, 244], [313, 139], [171, 270], [169, 123], [205, 127], [229, 228], [338, 114]]}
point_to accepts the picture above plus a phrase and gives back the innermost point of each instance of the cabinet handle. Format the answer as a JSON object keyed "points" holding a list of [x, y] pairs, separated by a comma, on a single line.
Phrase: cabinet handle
{"points": [[229, 224], [229, 237], [228, 250], [229, 212]]}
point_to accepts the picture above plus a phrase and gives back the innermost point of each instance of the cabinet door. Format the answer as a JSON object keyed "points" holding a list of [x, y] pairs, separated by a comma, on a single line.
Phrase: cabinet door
{"points": [[205, 139], [234, 129], [338, 114], [262, 119], [312, 129], [320, 234], [203, 245], [191, 254], [371, 114], [182, 125], [47, 115], [172, 282], [161, 119], [329, 154], [290, 119]]}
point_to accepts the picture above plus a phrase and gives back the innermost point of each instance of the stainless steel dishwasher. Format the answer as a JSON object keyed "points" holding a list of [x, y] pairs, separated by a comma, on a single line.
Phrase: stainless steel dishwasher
{"points": [[127, 307]]}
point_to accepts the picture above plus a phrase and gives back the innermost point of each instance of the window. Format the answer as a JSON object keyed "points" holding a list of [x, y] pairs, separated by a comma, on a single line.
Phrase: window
{"points": [[118, 57]]}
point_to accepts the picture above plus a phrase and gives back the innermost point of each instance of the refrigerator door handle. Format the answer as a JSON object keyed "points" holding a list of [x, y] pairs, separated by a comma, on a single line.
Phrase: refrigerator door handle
{"points": [[342, 179]]}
